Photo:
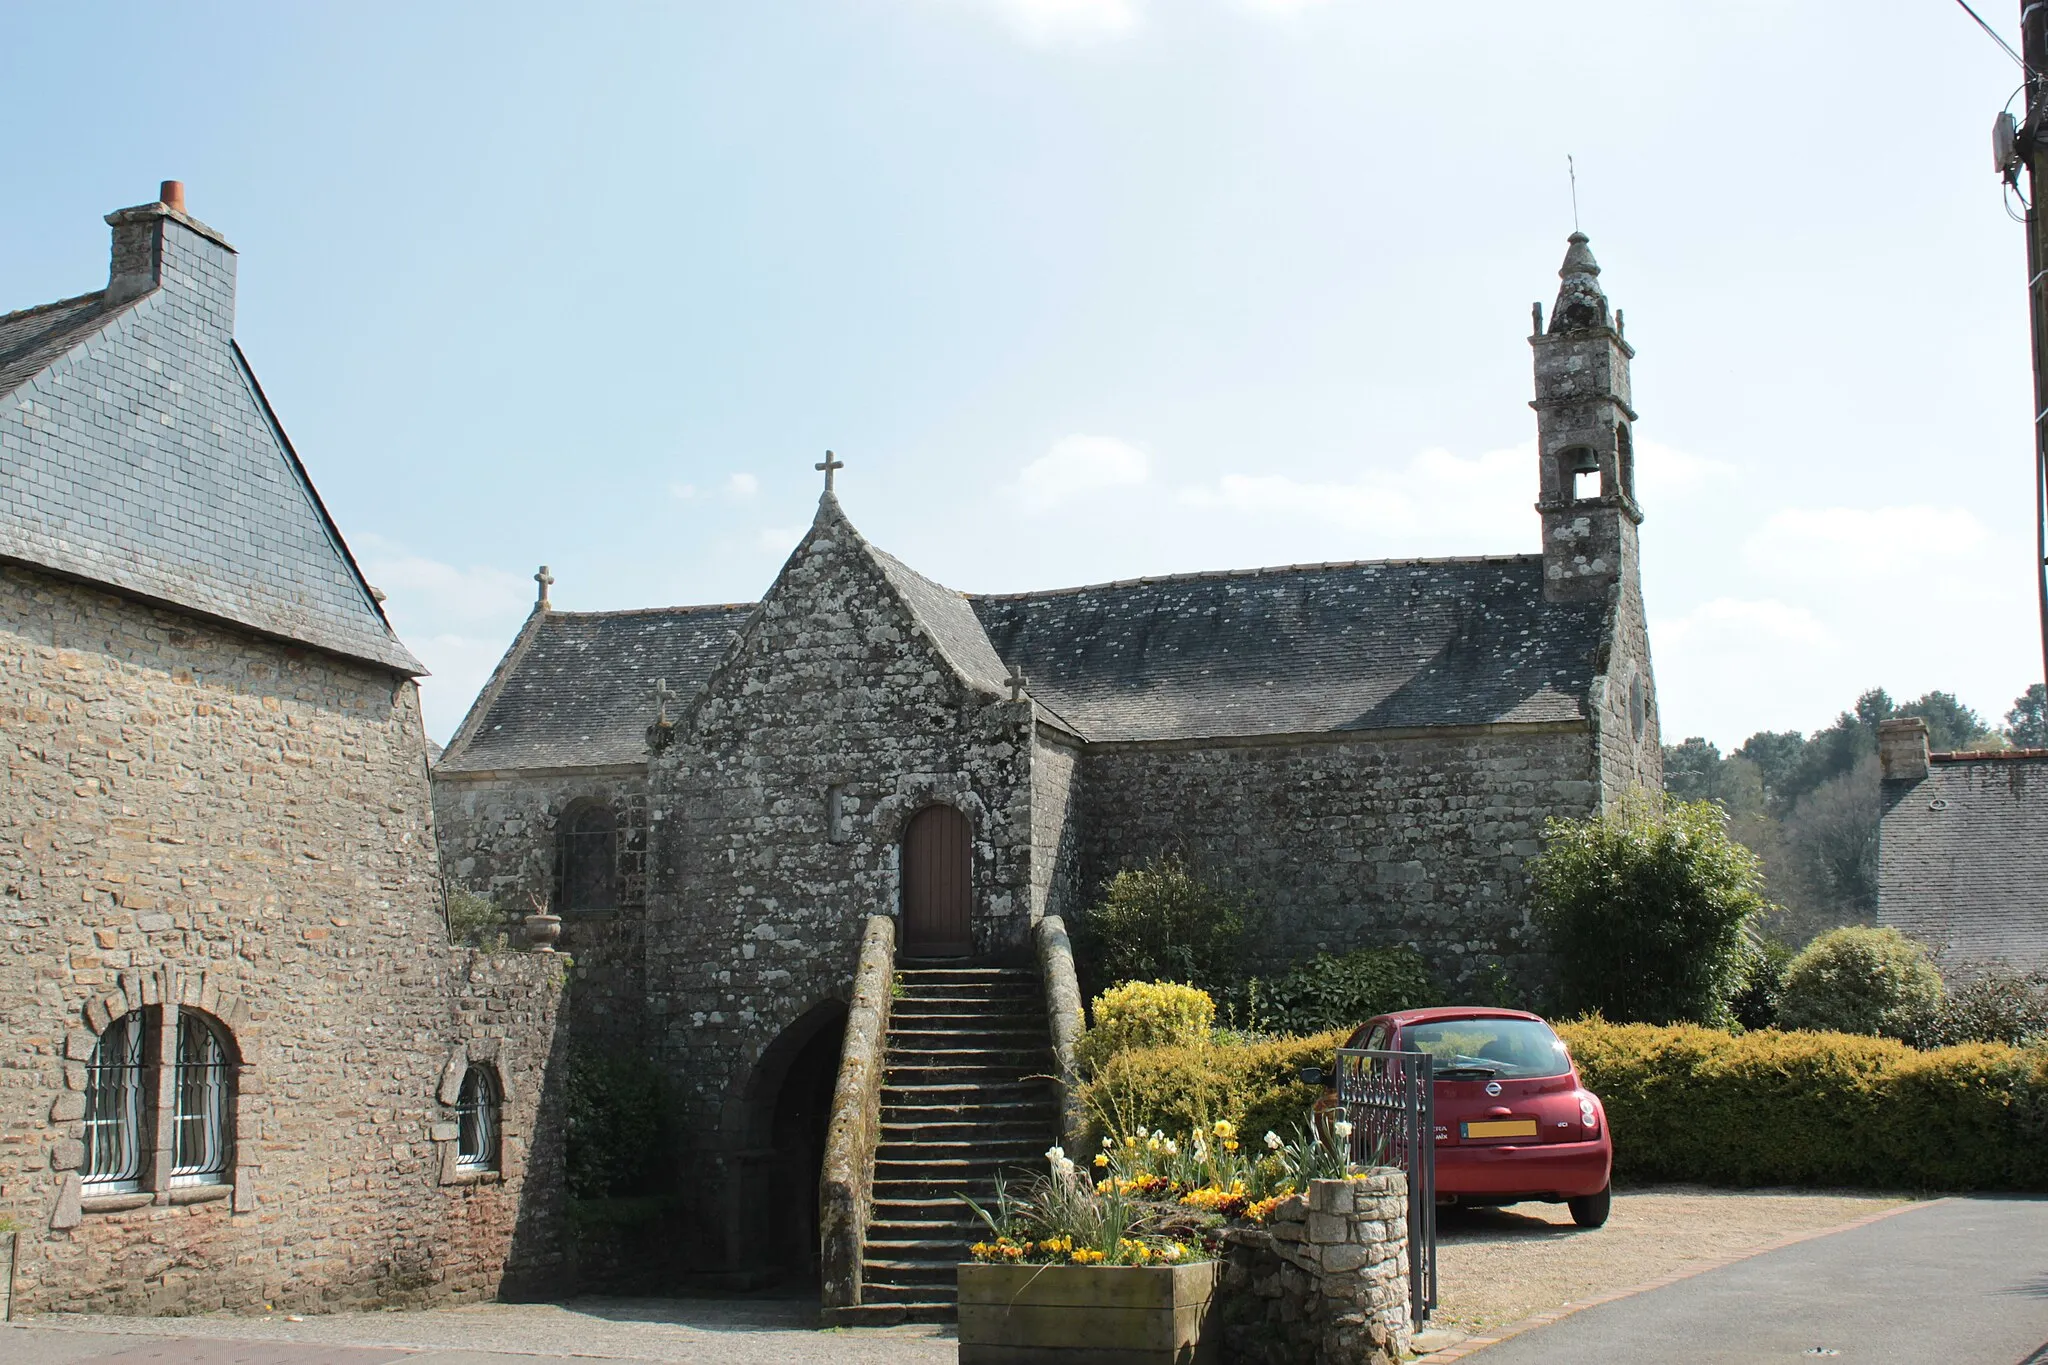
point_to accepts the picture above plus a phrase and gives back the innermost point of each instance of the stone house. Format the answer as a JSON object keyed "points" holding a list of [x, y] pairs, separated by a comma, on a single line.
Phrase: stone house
{"points": [[1962, 849], [244, 1068], [716, 798]]}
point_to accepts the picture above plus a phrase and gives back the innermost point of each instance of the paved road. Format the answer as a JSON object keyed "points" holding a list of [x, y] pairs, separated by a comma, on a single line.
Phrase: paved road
{"points": [[1963, 1280], [699, 1332]]}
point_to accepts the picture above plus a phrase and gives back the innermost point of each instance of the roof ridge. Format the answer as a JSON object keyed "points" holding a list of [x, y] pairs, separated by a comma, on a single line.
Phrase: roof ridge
{"points": [[1985, 755], [553, 614], [53, 304], [1260, 571]]}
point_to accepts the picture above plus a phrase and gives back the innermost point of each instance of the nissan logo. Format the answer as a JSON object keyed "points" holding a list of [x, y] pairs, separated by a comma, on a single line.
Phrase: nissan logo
{"points": [[1493, 1087]]}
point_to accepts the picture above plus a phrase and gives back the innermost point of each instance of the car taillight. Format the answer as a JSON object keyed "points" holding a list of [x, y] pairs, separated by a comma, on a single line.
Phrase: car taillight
{"points": [[1587, 1114]]}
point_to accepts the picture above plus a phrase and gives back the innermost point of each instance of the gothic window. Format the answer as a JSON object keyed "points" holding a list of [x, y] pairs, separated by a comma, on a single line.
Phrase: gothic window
{"points": [[114, 1109], [202, 1087], [588, 858], [477, 1114]]}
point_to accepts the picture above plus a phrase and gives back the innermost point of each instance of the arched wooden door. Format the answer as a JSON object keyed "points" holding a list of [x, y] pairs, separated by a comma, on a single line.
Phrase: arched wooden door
{"points": [[938, 888]]}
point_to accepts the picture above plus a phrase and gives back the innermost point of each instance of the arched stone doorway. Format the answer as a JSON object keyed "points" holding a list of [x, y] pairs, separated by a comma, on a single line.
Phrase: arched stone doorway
{"points": [[938, 884], [790, 1109]]}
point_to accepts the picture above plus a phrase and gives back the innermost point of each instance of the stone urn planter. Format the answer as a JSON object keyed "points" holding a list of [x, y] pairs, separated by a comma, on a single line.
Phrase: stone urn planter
{"points": [[542, 931], [1100, 1315]]}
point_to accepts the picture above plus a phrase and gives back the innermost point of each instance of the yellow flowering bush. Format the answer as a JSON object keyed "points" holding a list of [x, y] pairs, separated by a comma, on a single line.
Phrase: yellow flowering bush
{"points": [[1145, 1014]]}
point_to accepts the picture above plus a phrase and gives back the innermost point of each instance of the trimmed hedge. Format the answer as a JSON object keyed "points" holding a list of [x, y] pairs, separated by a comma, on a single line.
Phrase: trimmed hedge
{"points": [[1687, 1103], [1257, 1086], [1771, 1108], [1145, 1014]]}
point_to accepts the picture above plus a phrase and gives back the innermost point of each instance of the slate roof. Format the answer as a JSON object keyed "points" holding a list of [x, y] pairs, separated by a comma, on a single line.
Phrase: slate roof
{"points": [[1963, 857], [138, 452], [577, 688], [1386, 644], [1381, 644]]}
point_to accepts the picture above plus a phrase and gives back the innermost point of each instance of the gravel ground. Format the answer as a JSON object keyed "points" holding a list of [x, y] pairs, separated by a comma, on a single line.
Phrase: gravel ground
{"points": [[750, 1332], [1497, 1266]]}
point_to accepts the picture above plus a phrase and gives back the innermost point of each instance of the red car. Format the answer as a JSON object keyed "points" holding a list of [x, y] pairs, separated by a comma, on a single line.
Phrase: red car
{"points": [[1512, 1121]]}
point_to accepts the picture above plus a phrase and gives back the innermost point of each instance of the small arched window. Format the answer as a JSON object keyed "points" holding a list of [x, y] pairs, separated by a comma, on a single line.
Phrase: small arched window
{"points": [[477, 1120], [589, 858], [113, 1109], [202, 1087]]}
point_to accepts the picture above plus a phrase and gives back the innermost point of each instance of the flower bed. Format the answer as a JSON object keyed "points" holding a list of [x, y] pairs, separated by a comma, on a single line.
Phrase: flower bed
{"points": [[1153, 1199]]}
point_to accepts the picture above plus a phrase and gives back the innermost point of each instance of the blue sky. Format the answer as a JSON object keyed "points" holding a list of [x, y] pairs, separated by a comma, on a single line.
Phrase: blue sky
{"points": [[1089, 289]]}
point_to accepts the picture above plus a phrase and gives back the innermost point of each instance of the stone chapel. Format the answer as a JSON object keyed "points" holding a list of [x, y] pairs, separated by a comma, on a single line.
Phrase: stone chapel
{"points": [[716, 799]]}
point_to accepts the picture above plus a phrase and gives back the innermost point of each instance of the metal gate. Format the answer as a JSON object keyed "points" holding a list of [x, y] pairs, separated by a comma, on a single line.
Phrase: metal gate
{"points": [[1389, 1098]]}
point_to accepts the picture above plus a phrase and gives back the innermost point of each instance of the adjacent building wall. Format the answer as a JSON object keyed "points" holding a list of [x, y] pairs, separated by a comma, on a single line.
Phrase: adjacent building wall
{"points": [[198, 815]]}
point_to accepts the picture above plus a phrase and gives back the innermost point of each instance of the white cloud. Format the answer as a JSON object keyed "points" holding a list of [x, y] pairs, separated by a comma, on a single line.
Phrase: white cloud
{"points": [[459, 621], [1736, 620], [683, 492], [1075, 465], [742, 486], [1052, 21], [1437, 503], [1863, 544]]}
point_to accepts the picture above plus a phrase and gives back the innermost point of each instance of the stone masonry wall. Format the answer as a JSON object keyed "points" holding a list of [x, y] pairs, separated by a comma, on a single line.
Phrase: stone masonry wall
{"points": [[497, 837], [833, 698], [1631, 754], [1356, 842], [198, 817], [1325, 1282], [1055, 828]]}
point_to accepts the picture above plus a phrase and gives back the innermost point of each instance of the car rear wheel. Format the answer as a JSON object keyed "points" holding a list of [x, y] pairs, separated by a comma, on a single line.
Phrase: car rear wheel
{"points": [[1590, 1210]]}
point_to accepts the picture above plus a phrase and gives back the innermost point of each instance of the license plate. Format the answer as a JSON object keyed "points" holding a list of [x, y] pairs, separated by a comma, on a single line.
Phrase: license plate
{"points": [[1487, 1128]]}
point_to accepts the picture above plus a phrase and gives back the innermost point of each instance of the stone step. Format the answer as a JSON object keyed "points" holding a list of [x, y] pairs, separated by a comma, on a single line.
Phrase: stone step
{"points": [[1021, 1060], [968, 973], [897, 1076], [964, 1091], [967, 1040], [998, 1153], [937, 1274], [921, 1295], [1029, 1131]]}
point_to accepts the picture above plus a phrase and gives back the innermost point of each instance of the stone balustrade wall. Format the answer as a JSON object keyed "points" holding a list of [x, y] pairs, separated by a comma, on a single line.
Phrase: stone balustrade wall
{"points": [[1325, 1281]]}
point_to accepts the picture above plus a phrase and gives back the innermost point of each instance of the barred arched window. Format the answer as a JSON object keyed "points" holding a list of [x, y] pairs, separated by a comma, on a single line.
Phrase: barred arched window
{"points": [[589, 857], [113, 1109], [202, 1088], [477, 1114]]}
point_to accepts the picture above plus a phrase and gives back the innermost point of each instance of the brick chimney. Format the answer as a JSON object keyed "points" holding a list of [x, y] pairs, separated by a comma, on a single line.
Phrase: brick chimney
{"points": [[1902, 749], [160, 246]]}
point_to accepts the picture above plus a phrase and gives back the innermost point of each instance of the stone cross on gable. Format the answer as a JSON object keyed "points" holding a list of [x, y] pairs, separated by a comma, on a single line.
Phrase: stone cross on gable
{"points": [[1018, 682], [663, 695], [828, 466], [546, 581]]}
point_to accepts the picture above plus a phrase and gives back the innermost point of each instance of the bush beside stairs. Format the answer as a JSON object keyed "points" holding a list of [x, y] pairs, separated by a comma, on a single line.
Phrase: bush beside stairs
{"points": [[967, 1092]]}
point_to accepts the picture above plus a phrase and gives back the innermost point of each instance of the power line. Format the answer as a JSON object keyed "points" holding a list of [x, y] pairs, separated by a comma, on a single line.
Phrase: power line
{"points": [[1992, 33]]}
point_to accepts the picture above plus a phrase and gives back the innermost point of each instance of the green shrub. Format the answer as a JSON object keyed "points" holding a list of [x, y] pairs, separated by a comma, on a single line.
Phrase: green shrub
{"points": [[1769, 1108], [1145, 1014], [1256, 1086], [1329, 992], [1857, 979], [1160, 922], [476, 921], [1646, 907], [1998, 1005], [613, 1106], [1760, 984]]}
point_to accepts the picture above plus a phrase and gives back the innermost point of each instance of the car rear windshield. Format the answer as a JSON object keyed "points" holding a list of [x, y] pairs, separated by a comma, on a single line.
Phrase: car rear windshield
{"points": [[1475, 1048]]}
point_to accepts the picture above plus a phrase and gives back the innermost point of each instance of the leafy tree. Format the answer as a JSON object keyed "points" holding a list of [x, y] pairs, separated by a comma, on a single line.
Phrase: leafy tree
{"points": [[1160, 922], [2027, 723], [1950, 724], [1647, 908], [1832, 838], [1775, 754], [1692, 770]]}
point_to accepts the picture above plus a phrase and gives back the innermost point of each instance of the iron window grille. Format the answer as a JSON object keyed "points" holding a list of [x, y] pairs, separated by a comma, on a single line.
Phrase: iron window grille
{"points": [[476, 1119], [113, 1110], [203, 1089]]}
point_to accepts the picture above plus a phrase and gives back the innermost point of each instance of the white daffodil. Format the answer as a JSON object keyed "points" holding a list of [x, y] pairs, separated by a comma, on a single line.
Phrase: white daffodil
{"points": [[1342, 1129], [1273, 1140]]}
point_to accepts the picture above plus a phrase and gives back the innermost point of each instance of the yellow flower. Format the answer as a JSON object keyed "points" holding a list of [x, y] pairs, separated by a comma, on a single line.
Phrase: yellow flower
{"points": [[1223, 1128], [1102, 1158]]}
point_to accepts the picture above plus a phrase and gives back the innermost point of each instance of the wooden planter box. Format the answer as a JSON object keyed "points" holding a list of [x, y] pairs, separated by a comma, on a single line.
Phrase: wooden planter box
{"points": [[1087, 1314]]}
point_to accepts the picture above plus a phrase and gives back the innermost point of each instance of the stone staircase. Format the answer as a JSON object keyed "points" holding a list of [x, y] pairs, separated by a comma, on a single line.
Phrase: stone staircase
{"points": [[967, 1093]]}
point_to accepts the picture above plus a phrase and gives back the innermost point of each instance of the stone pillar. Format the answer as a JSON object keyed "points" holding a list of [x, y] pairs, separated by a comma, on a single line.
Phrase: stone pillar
{"points": [[1325, 1280], [1902, 749]]}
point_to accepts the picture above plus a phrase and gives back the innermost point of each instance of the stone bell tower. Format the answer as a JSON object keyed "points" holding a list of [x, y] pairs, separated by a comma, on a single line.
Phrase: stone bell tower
{"points": [[1588, 495]]}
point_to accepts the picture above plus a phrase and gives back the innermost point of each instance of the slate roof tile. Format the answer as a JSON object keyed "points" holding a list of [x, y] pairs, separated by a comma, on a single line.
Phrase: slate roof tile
{"points": [[1963, 858], [582, 691]]}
